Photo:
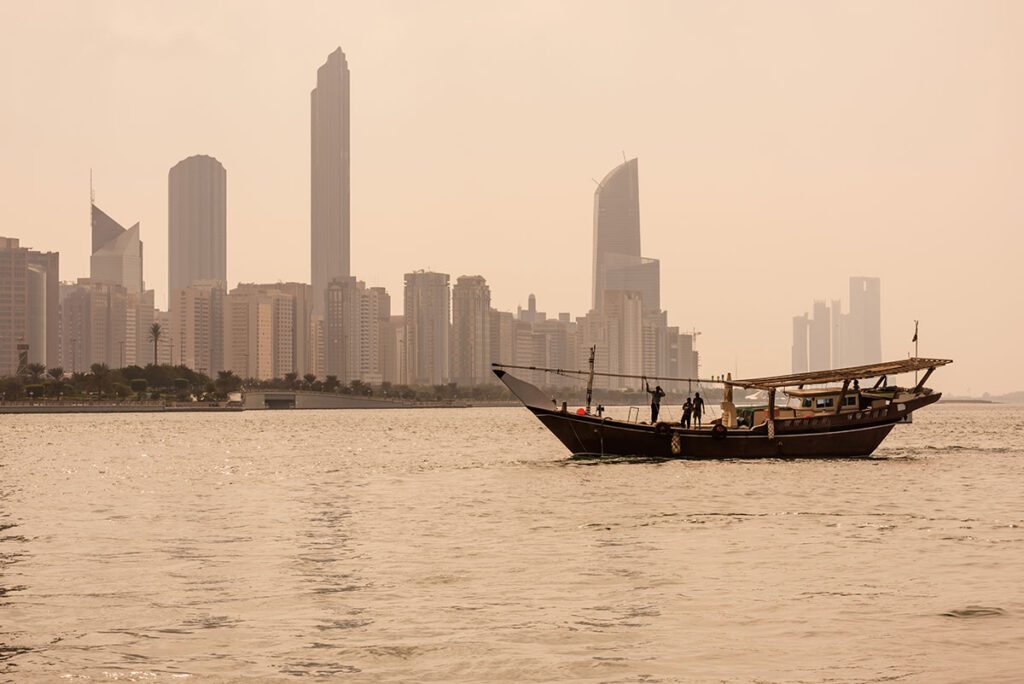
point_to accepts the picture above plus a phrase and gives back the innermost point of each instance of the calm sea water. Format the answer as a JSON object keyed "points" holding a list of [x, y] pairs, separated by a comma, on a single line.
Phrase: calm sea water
{"points": [[463, 545]]}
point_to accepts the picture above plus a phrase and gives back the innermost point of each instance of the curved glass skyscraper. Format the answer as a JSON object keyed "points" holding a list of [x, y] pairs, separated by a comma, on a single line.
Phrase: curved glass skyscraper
{"points": [[618, 265]]}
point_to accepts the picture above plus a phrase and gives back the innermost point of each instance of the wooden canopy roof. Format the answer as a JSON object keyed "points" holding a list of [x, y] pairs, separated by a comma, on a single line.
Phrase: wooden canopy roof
{"points": [[874, 370]]}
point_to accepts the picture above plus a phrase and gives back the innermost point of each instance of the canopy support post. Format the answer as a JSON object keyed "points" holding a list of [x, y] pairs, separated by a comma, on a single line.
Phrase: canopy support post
{"points": [[920, 385], [771, 413], [842, 396]]}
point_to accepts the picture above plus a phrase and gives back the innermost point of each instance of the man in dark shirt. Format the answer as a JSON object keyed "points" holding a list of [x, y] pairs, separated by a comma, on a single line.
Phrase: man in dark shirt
{"points": [[698, 408], [656, 394]]}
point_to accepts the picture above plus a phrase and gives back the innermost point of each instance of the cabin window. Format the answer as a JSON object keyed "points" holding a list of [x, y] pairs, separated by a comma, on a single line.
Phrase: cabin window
{"points": [[850, 400], [825, 402], [807, 403]]}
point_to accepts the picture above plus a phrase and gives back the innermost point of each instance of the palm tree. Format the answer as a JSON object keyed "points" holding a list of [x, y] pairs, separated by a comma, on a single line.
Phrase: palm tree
{"points": [[227, 381], [289, 380], [100, 376], [56, 372], [35, 371], [310, 378], [155, 331]]}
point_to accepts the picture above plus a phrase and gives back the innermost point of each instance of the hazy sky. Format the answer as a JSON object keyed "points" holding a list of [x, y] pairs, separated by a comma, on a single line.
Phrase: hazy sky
{"points": [[783, 147]]}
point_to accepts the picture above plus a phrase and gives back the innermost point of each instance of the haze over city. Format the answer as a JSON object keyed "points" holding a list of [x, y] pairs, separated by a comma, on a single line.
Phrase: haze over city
{"points": [[782, 149]]}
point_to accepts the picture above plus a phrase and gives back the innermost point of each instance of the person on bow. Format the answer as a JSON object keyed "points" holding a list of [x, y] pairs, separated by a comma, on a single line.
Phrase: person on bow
{"points": [[656, 394], [698, 408], [687, 411]]}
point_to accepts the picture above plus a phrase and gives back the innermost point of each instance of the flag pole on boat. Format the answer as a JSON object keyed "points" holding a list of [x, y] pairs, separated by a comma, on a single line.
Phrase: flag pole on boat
{"points": [[590, 378], [915, 348]]}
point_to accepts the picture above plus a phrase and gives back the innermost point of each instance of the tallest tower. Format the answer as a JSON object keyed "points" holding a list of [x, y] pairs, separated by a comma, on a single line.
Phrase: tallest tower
{"points": [[330, 176], [618, 265]]}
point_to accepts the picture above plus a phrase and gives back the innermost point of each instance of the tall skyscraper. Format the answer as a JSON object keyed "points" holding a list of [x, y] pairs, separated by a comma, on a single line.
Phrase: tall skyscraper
{"points": [[799, 348], [116, 253], [117, 259], [862, 338], [427, 318], [819, 346], [501, 324], [197, 222], [330, 162], [25, 319], [28, 307], [618, 264], [470, 343], [833, 339], [45, 339]]}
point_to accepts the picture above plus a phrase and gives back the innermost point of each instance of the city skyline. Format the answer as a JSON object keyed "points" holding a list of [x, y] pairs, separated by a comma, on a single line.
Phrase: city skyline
{"points": [[733, 194]]}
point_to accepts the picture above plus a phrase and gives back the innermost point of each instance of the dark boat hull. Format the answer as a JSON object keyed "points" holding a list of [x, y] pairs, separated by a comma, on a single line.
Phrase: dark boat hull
{"points": [[592, 436], [822, 435]]}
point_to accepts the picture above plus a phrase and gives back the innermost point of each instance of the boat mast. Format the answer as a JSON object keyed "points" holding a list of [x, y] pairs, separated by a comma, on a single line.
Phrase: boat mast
{"points": [[590, 378]]}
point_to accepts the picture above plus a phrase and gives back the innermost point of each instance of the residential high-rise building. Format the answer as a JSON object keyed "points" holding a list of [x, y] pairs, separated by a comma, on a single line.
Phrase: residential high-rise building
{"points": [[799, 348], [862, 327], [393, 350], [427, 322], [299, 325], [94, 319], [197, 326], [555, 345], [29, 307], [165, 345], [500, 323], [14, 323], [197, 222], [44, 345], [819, 338], [840, 355], [140, 313], [355, 322], [302, 293], [471, 333], [330, 193], [258, 332], [624, 316]]}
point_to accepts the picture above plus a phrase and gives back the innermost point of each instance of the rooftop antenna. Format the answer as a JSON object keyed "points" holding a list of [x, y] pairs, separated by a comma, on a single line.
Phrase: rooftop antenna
{"points": [[92, 192], [624, 156]]}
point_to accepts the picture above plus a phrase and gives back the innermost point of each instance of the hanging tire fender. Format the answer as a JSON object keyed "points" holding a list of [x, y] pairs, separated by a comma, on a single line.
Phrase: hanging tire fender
{"points": [[719, 431], [662, 429]]}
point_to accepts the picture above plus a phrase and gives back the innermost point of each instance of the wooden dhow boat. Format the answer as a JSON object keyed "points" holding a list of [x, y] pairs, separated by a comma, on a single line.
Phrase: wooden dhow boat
{"points": [[817, 422]]}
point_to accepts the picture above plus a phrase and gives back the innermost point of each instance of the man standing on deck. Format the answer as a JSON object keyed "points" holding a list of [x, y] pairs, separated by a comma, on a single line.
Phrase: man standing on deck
{"points": [[698, 408], [656, 394]]}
